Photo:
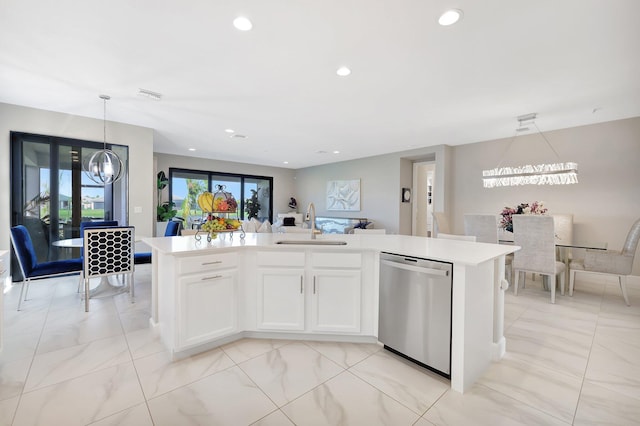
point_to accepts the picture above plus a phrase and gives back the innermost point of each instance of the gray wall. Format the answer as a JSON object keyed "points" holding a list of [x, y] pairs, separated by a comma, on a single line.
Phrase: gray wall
{"points": [[605, 202], [138, 139], [381, 177]]}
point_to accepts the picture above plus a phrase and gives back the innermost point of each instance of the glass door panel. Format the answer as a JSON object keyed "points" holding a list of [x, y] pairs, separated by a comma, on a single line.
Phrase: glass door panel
{"points": [[185, 187]]}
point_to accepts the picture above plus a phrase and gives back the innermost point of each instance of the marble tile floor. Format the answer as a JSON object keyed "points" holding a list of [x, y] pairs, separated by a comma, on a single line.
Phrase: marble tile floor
{"points": [[575, 362]]}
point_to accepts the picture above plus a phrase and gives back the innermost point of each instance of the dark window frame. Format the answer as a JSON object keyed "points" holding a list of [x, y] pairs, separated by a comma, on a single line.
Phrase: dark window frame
{"points": [[211, 174]]}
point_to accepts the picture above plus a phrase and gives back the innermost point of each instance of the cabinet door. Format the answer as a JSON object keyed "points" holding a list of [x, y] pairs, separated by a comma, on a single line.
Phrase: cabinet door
{"points": [[207, 307], [336, 301], [281, 299]]}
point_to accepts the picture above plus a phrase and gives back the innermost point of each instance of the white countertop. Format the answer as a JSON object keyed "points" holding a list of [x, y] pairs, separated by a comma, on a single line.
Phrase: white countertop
{"points": [[455, 251]]}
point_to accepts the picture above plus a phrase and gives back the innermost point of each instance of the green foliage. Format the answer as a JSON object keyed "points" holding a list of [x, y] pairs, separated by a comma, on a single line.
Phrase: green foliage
{"points": [[252, 206], [164, 210]]}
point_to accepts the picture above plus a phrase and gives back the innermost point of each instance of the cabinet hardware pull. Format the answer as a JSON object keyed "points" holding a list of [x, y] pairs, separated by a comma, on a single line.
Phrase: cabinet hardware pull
{"points": [[314, 284], [211, 278], [215, 262], [300, 284]]}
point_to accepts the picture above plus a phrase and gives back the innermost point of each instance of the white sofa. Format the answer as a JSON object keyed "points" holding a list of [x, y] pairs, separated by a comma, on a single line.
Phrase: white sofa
{"points": [[299, 225]]}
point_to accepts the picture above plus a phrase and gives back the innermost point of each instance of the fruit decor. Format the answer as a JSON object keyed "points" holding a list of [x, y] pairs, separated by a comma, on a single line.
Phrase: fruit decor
{"points": [[218, 224], [218, 202]]}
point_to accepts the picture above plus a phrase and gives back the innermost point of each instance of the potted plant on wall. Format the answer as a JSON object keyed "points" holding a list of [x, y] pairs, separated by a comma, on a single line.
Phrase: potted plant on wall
{"points": [[164, 210]]}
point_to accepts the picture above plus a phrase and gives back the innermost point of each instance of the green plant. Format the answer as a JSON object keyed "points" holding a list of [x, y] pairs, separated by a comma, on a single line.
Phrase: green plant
{"points": [[252, 206], [164, 210]]}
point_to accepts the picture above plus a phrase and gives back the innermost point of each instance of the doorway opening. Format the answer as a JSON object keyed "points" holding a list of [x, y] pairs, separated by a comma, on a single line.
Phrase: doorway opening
{"points": [[423, 197]]}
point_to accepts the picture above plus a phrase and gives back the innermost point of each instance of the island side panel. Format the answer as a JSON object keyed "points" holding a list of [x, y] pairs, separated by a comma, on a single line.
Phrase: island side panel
{"points": [[472, 323], [499, 287]]}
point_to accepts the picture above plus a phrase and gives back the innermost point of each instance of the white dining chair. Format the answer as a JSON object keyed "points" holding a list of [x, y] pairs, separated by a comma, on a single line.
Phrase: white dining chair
{"points": [[609, 262], [485, 229], [483, 226], [537, 254], [441, 223], [456, 237]]}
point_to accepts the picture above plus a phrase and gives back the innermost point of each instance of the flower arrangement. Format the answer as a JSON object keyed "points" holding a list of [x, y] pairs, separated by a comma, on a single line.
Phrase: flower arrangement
{"points": [[535, 207]]}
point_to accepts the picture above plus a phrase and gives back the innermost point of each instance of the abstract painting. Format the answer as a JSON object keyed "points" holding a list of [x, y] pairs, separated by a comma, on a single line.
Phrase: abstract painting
{"points": [[343, 195]]}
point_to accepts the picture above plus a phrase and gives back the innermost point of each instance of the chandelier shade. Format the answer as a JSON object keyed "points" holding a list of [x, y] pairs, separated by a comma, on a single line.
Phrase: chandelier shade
{"points": [[104, 167], [542, 174]]}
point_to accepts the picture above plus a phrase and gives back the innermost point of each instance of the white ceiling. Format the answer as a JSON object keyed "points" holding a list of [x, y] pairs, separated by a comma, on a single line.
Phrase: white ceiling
{"points": [[414, 83]]}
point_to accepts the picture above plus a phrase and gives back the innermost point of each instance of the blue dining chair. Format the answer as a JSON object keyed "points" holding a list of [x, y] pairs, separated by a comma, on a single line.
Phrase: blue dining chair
{"points": [[172, 230], [28, 262]]}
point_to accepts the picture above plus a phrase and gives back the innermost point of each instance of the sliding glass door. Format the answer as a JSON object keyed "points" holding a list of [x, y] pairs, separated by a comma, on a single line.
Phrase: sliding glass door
{"points": [[51, 194]]}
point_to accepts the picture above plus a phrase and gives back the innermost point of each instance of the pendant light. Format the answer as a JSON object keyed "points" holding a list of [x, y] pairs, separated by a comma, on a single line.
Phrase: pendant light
{"points": [[104, 167], [540, 174]]}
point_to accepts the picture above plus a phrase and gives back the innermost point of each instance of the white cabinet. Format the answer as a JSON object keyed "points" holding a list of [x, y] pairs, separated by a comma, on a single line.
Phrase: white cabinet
{"points": [[336, 292], [336, 301], [281, 299], [281, 290], [322, 294], [199, 298], [207, 307]]}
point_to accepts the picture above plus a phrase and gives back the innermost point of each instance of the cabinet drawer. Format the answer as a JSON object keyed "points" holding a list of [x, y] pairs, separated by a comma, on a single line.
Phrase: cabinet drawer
{"points": [[188, 265], [336, 260], [281, 258]]}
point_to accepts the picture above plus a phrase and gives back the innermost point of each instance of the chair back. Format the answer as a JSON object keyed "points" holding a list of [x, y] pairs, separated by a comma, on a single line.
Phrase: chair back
{"points": [[456, 237], [369, 231], [441, 222], [173, 228], [563, 226], [23, 247], [108, 251], [535, 235], [483, 226], [630, 245]]}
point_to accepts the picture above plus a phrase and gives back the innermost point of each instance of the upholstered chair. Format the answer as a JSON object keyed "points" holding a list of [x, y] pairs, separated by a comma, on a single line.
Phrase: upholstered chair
{"points": [[536, 237], [172, 230], [28, 262], [609, 262], [485, 229], [441, 223]]}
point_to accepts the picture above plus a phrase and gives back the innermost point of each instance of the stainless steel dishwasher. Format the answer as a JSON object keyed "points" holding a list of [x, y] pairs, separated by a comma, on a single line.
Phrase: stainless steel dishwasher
{"points": [[415, 310]]}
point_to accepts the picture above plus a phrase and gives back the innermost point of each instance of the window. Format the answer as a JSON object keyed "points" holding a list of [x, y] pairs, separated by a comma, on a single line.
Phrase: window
{"points": [[254, 194], [51, 194]]}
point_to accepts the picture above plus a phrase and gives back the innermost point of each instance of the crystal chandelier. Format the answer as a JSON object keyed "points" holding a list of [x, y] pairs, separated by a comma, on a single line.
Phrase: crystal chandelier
{"points": [[104, 166], [541, 174]]}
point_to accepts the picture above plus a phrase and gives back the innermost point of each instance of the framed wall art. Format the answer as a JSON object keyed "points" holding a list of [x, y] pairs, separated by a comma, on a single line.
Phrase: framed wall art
{"points": [[343, 195]]}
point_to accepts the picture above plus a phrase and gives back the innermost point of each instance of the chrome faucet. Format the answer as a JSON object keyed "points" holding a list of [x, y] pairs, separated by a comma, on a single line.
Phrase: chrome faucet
{"points": [[311, 216]]}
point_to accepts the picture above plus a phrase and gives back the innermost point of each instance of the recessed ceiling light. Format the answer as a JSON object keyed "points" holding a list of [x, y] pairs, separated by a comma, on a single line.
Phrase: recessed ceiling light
{"points": [[192, 149], [285, 162], [229, 130], [450, 17], [336, 152], [242, 23], [343, 71]]}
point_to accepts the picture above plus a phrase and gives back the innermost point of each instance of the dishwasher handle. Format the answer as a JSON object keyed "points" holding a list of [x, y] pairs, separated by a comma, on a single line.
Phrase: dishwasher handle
{"points": [[422, 270]]}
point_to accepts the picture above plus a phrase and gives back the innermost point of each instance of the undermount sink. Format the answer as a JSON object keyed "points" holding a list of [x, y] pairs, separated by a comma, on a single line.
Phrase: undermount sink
{"points": [[313, 242]]}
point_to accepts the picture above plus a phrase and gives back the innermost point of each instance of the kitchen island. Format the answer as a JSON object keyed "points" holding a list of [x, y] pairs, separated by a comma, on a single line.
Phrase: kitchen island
{"points": [[205, 294]]}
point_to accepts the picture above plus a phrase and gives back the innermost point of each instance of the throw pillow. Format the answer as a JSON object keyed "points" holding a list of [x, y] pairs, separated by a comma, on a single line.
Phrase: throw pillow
{"points": [[256, 223], [265, 227], [248, 226]]}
